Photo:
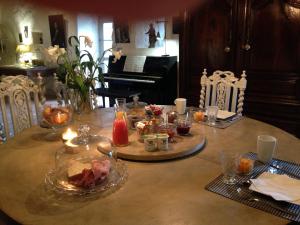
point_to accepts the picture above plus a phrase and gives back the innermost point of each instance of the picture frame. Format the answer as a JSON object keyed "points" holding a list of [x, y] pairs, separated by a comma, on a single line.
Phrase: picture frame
{"points": [[121, 31], [57, 30]]}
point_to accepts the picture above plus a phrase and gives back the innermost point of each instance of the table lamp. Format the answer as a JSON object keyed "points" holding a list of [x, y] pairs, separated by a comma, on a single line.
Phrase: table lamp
{"points": [[24, 53]]}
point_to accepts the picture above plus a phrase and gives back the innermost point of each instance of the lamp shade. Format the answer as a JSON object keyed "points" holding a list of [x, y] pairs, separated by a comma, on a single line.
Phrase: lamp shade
{"points": [[23, 48]]}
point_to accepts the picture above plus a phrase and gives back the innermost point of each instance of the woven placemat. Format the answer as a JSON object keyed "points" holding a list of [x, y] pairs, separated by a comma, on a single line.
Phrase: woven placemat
{"points": [[230, 191], [222, 123]]}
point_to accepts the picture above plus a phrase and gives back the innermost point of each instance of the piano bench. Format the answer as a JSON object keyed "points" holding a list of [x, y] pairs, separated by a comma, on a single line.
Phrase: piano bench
{"points": [[115, 93]]}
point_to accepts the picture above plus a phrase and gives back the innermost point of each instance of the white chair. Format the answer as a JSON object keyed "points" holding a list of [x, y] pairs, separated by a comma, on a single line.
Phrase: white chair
{"points": [[19, 101], [224, 90]]}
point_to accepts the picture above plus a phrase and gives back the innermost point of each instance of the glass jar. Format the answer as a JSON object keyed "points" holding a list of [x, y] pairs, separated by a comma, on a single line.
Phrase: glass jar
{"points": [[120, 125], [169, 129], [143, 128]]}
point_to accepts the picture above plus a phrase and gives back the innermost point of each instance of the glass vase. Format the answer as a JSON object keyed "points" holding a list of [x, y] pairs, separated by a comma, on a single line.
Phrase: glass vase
{"points": [[80, 103]]}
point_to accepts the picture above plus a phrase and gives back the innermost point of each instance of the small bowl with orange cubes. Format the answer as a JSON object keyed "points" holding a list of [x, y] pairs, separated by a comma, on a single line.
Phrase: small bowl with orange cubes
{"points": [[198, 115], [245, 165]]}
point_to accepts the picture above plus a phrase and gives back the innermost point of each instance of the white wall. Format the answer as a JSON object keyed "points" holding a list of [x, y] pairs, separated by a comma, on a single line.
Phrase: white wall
{"points": [[172, 46], [88, 25], [15, 16]]}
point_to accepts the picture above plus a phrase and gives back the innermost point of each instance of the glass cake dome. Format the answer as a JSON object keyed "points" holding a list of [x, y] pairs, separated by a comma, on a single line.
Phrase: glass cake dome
{"points": [[80, 169]]}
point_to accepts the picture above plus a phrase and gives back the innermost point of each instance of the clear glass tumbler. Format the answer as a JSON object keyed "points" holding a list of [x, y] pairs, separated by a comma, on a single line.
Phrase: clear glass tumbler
{"points": [[229, 162], [212, 112]]}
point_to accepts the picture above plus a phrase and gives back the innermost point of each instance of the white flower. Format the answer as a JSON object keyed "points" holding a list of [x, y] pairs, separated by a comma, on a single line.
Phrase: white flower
{"points": [[88, 42], [62, 51], [52, 50], [117, 53]]}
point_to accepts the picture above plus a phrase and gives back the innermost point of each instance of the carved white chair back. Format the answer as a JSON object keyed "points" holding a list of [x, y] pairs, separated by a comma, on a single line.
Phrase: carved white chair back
{"points": [[16, 92], [224, 90]]}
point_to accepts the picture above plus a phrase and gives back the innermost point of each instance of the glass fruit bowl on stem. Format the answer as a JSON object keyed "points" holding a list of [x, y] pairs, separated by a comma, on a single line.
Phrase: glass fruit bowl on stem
{"points": [[56, 117]]}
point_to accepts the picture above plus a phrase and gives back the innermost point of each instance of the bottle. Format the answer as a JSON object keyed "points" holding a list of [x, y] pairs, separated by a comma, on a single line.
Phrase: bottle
{"points": [[2, 134], [120, 128]]}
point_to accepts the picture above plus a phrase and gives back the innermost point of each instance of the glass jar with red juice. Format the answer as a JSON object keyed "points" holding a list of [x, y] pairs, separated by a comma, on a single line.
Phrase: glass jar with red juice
{"points": [[120, 129]]}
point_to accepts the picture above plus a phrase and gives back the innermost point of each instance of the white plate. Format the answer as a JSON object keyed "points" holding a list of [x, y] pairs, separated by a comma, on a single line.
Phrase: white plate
{"points": [[223, 115], [57, 180]]}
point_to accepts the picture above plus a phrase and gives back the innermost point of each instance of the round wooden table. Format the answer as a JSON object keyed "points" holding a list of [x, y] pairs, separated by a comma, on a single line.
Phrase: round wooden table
{"points": [[170, 192]]}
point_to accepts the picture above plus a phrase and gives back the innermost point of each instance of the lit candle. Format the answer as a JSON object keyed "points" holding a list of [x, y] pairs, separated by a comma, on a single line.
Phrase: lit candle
{"points": [[69, 135], [71, 148]]}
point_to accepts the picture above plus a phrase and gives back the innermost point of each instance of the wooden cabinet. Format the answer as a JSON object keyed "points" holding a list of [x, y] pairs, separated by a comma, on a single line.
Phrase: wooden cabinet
{"points": [[259, 36]]}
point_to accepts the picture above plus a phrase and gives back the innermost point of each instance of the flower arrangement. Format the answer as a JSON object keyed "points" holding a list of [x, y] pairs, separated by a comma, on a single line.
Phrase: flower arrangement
{"points": [[51, 55], [79, 70]]}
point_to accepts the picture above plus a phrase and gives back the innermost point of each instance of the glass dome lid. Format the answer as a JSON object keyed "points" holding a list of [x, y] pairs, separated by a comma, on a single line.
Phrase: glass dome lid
{"points": [[81, 169]]}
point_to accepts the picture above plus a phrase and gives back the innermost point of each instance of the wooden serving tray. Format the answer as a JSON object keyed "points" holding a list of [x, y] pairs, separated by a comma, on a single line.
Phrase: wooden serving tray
{"points": [[183, 146]]}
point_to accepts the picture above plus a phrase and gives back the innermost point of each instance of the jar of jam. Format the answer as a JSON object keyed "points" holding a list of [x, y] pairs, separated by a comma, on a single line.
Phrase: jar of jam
{"points": [[183, 126]]}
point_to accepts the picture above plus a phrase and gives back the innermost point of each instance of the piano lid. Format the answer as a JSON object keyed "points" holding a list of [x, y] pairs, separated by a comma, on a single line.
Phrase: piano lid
{"points": [[153, 65]]}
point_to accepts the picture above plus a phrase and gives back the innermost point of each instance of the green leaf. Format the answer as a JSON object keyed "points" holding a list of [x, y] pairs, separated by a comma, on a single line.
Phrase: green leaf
{"points": [[75, 39]]}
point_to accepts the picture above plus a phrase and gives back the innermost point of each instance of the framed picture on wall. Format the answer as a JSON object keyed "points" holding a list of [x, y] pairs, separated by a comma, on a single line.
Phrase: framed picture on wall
{"points": [[57, 30], [150, 34], [37, 38], [121, 31]]}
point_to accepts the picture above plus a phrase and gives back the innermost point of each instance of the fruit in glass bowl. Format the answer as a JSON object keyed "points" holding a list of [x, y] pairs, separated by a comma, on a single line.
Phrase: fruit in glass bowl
{"points": [[198, 116], [56, 116]]}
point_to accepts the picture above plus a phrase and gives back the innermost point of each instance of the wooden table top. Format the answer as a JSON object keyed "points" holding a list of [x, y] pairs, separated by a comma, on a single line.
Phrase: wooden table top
{"points": [[157, 193]]}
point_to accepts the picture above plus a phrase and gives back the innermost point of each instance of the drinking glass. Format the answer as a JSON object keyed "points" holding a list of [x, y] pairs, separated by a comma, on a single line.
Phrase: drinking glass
{"points": [[180, 105], [229, 162], [212, 112], [265, 148]]}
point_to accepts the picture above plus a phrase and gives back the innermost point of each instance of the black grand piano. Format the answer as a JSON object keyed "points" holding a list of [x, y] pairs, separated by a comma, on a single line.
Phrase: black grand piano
{"points": [[156, 84]]}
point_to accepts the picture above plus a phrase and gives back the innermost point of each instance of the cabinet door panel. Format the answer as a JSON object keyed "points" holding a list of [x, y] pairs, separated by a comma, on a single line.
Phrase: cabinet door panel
{"points": [[272, 63], [274, 39], [207, 32]]}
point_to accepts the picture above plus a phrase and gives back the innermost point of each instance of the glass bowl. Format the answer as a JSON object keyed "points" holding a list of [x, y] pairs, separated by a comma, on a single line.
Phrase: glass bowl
{"points": [[197, 114], [59, 179], [169, 129], [82, 169], [183, 126], [245, 165], [56, 116]]}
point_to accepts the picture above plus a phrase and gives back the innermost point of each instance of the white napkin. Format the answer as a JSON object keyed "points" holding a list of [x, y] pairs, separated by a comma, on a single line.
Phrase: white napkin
{"points": [[280, 187], [222, 114]]}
